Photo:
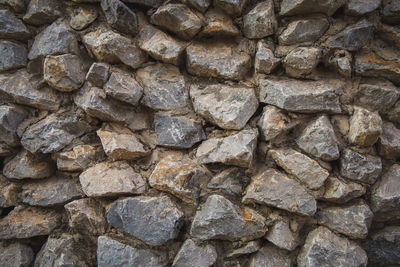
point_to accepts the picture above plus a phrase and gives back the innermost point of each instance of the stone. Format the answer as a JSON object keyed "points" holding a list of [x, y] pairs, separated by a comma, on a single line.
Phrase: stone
{"points": [[160, 45], [112, 253], [178, 19], [12, 55], [271, 256], [275, 189], [218, 218], [164, 87], [218, 60], [79, 158], [195, 255], [42, 11], [82, 17], [200, 5], [11, 27], [361, 7], [265, 60], [218, 24], [111, 47], [107, 179], [5, 150], [230, 180], [260, 22], [353, 221], [272, 123], [307, 170], [10, 118], [282, 235], [231, 7], [65, 72], [8, 193], [27, 222], [323, 247], [341, 61], [122, 86], [391, 11], [86, 216], [301, 61], [319, 139], [153, 220], [27, 165], [237, 149], [391, 34], [247, 248], [16, 255], [301, 96], [389, 141], [18, 6], [229, 107], [394, 113], [148, 3], [365, 127], [304, 30], [385, 196], [54, 132], [298, 7], [339, 191], [98, 74], [120, 17], [358, 167]]}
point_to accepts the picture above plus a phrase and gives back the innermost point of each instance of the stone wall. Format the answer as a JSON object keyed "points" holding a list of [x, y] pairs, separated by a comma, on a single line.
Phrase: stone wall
{"points": [[199, 133]]}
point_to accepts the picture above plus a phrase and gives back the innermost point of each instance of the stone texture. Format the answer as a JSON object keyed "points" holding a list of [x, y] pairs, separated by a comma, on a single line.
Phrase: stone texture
{"points": [[42, 11], [120, 17], [275, 189], [11, 27], [282, 235], [217, 24], [265, 60], [389, 141], [353, 37], [247, 248], [98, 74], [301, 61], [230, 180], [82, 17], [365, 127], [383, 246], [260, 22], [200, 5], [12, 55], [107, 179], [218, 218], [304, 30], [229, 107], [361, 7], [337, 190], [8, 193], [122, 86], [195, 255], [15, 255], [340, 61], [148, 3], [232, 7], [17, 5], [391, 11], [10, 118], [79, 158], [297, 7], [272, 123], [390, 34], [271, 256]]}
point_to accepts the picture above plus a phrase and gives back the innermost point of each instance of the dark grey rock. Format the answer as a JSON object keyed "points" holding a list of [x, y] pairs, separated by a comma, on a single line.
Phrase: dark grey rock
{"points": [[120, 16], [305, 30], [122, 86], [82, 17], [297, 7], [260, 22], [232, 7], [282, 235], [10, 118], [265, 60], [391, 11], [361, 7], [195, 255], [98, 74], [12, 55], [200, 5], [383, 246], [230, 180], [11, 27], [389, 141], [18, 6], [337, 190], [42, 11], [15, 255], [271, 256]]}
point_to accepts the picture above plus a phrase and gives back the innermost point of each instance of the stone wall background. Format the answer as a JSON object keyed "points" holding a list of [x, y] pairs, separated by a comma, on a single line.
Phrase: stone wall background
{"points": [[198, 133]]}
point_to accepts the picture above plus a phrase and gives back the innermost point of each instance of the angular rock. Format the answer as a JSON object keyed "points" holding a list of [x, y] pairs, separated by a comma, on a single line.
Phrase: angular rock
{"points": [[10, 118], [153, 220], [389, 141], [271, 256], [260, 22], [218, 218], [319, 139], [301, 96], [195, 255], [247, 248], [282, 235], [265, 60], [16, 255], [365, 127], [297, 7], [217, 24], [391, 11], [27, 222], [305, 30], [272, 123], [200, 5], [391, 34], [79, 158], [120, 17], [232, 7], [275, 189], [340, 191], [8, 193], [301, 61], [229, 107], [98, 74], [237, 149], [82, 17], [12, 55], [353, 37], [361, 7], [11, 27], [229, 180], [340, 61], [359, 167], [123, 87], [18, 6], [323, 247], [42, 11], [107, 179]]}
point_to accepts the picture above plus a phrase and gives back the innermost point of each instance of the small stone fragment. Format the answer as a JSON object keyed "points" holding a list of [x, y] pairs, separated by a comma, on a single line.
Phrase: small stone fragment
{"points": [[8, 193], [194, 255], [260, 22], [361, 7], [353, 37], [365, 127], [391, 11], [341, 61], [12, 55], [305, 30], [232, 7], [272, 123], [11, 27], [383, 246], [120, 17], [265, 60], [42, 11], [391, 34], [79, 158], [248, 248], [340, 191], [218, 24], [122, 86], [297, 7], [271, 256], [98, 74], [82, 17], [389, 141], [231, 180], [301, 61], [15, 255], [10, 118]]}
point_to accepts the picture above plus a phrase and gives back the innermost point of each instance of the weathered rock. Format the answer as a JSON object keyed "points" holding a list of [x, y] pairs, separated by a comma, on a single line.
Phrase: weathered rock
{"points": [[391, 34], [122, 86], [282, 236], [340, 191], [195, 255], [275, 189], [230, 180], [10, 118], [323, 247], [301, 61], [272, 123], [361, 7], [271, 256], [219, 60], [229, 107], [301, 96], [98, 74], [8, 193], [233, 8], [247, 248], [42, 11], [153, 220], [82, 17], [120, 16], [237, 149], [12, 55], [389, 141], [18, 6], [391, 11], [365, 127], [79, 158], [11, 27], [15, 255], [26, 222], [359, 167], [217, 24], [353, 37], [218, 218], [265, 60], [394, 113], [148, 3], [111, 179], [305, 30], [200, 5], [297, 7], [260, 22], [5, 150], [319, 139], [341, 61]]}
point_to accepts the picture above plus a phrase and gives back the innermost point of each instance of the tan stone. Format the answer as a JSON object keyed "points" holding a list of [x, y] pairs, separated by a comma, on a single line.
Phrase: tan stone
{"points": [[79, 157], [365, 127]]}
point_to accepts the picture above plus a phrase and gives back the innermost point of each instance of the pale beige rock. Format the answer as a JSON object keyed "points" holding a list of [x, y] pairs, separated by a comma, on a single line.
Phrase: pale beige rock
{"points": [[82, 17], [301, 61], [337, 190], [265, 60], [271, 256], [272, 122], [79, 158], [218, 24], [305, 30], [365, 127], [260, 22]]}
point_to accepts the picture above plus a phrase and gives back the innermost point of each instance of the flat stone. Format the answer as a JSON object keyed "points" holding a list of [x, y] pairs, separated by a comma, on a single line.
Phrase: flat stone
{"points": [[359, 167], [237, 149], [272, 123], [265, 60], [365, 127], [271, 256], [195, 255], [361, 7], [391, 11], [389, 141], [16, 254], [304, 30], [10, 118], [12, 55], [275, 189], [219, 60], [282, 235], [319, 139], [164, 87], [107, 179], [200, 5], [18, 6], [98, 74], [153, 220], [229, 107], [339, 191], [260, 22], [301, 61], [353, 37], [297, 7], [122, 86], [218, 218], [120, 17], [231, 7], [11, 27], [340, 61], [247, 248], [82, 17], [230, 180], [79, 158], [27, 222], [42, 11], [301, 96], [323, 247], [217, 24], [8, 193]]}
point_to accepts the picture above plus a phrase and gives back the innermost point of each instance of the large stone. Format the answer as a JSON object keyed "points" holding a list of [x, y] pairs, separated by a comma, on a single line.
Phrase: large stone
{"points": [[337, 190], [247, 248], [232, 7], [79, 158], [98, 74], [218, 218], [271, 256], [120, 16], [301, 61], [265, 60], [8, 193], [218, 24], [361, 7], [15, 255], [275, 189], [229, 107], [359, 167], [272, 123], [153, 220], [391, 11], [11, 27], [195, 255], [260, 22], [237, 149], [282, 235], [305, 30], [27, 222], [389, 141], [10, 118], [353, 37], [339, 60], [297, 7], [12, 55], [42, 11], [301, 96], [82, 17], [219, 60], [324, 248], [122, 86], [365, 127], [111, 179], [319, 139], [230, 180]]}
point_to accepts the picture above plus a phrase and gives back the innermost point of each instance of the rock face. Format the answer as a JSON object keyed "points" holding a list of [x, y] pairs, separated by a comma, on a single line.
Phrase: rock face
{"points": [[353, 37], [82, 18], [218, 24], [383, 246], [260, 22], [11, 27], [297, 7], [365, 127], [123, 87], [98, 74], [194, 255], [79, 158], [153, 220], [230, 180], [301, 61], [119, 16], [282, 235], [359, 8], [391, 12], [42, 11], [389, 145], [10, 118], [270, 256], [265, 61], [12, 55], [272, 123], [306, 30], [8, 193], [15, 254], [337, 190]]}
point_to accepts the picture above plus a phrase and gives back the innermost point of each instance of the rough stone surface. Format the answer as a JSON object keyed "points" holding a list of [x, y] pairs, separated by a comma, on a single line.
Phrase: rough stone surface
{"points": [[8, 193], [337, 190], [301, 61], [230, 180], [271, 256], [16, 255], [232, 7], [391, 11], [10, 118], [282, 236], [389, 141], [218, 24], [341, 61], [353, 37], [272, 123], [123, 87], [297, 7], [79, 158], [200, 5], [11, 27], [120, 16], [365, 127], [195, 255], [98, 74], [361, 7], [82, 18], [16, 5], [305, 30], [247, 248], [12, 55], [42, 11], [265, 60], [260, 22]]}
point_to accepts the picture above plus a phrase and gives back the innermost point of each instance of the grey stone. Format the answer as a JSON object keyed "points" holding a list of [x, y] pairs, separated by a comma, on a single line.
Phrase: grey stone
{"points": [[324, 248], [98, 74], [391, 34], [229, 107], [8, 193], [359, 167], [42, 11], [341, 61], [12, 55], [319, 139], [194, 255], [272, 123], [271, 256], [230, 180], [247, 248], [353, 37], [148, 3], [282, 235], [265, 60], [297, 7], [10, 118], [122, 86], [301, 61], [391, 11], [275, 189], [200, 5], [120, 16], [337, 190], [218, 24], [305, 30], [232, 7], [153, 220], [389, 141], [18, 6], [82, 17], [365, 127], [79, 158], [108, 179], [11, 27], [394, 113], [361, 7], [218, 218], [260, 22], [16, 255]]}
